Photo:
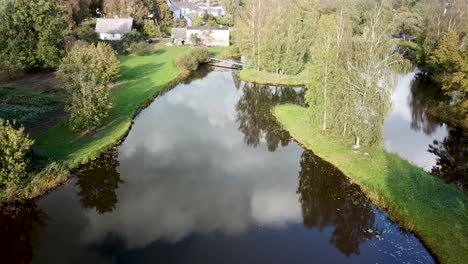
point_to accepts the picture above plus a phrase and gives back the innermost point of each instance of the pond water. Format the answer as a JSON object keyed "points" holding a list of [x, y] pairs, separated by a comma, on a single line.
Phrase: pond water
{"points": [[206, 175], [420, 138]]}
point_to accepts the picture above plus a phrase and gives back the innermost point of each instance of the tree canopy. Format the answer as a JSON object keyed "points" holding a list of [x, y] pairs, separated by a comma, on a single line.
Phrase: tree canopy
{"points": [[32, 33]]}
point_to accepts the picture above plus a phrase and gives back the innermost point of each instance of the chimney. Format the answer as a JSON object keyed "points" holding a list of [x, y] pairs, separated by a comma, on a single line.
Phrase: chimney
{"points": [[208, 7]]}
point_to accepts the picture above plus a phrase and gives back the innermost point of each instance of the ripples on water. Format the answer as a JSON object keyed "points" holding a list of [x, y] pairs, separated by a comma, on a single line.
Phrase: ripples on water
{"points": [[206, 175]]}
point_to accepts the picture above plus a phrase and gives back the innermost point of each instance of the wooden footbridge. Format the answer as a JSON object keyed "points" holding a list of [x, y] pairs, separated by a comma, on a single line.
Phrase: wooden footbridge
{"points": [[226, 63]]}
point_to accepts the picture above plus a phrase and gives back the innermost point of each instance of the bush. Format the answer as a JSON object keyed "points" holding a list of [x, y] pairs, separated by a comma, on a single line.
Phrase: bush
{"points": [[14, 144], [131, 37], [142, 48], [186, 62], [200, 54], [195, 39]]}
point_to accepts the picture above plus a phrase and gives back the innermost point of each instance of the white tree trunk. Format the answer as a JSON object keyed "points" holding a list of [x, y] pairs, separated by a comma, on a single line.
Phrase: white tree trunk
{"points": [[358, 143]]}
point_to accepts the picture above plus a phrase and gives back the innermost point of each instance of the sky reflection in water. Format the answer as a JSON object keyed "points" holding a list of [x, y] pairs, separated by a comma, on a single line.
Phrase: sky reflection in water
{"points": [[207, 176]]}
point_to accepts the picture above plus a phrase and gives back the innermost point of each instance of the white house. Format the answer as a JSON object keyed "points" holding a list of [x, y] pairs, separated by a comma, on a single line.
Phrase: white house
{"points": [[209, 36], [113, 28]]}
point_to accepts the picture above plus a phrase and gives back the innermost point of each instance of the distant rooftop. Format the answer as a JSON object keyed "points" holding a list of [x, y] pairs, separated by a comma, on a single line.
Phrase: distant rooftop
{"points": [[114, 25], [210, 28]]}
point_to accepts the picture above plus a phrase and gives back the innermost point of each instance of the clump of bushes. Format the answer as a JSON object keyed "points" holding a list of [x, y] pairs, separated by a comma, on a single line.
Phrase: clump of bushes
{"points": [[190, 62], [186, 62], [200, 54], [142, 48], [14, 145]]}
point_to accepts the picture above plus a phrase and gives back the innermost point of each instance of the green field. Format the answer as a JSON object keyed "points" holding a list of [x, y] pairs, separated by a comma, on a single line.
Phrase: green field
{"points": [[141, 79], [436, 211]]}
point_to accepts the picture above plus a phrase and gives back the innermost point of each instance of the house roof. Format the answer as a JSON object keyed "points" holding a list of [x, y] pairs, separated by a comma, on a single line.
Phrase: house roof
{"points": [[209, 28], [114, 25], [179, 33], [188, 5]]}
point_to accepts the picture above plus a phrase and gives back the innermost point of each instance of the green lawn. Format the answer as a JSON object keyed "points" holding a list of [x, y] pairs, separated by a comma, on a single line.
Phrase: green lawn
{"points": [[268, 78], [141, 79], [436, 211]]}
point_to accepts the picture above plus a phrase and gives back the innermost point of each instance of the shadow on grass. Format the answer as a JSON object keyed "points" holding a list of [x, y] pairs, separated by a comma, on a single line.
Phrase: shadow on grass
{"points": [[137, 72]]}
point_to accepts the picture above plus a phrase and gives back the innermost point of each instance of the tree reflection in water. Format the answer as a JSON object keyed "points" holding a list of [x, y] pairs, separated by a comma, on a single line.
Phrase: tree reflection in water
{"points": [[98, 182], [20, 226], [255, 117], [452, 158], [424, 94], [328, 198]]}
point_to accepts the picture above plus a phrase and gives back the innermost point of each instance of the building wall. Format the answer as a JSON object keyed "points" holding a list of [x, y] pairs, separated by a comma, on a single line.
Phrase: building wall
{"points": [[211, 37], [105, 36]]}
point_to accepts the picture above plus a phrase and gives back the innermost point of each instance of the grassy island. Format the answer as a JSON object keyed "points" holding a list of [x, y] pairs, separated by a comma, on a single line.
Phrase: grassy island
{"points": [[268, 78], [436, 211]]}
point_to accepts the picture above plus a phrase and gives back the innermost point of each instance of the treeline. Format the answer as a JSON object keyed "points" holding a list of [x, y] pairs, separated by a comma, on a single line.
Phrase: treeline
{"points": [[348, 49], [440, 29], [273, 35]]}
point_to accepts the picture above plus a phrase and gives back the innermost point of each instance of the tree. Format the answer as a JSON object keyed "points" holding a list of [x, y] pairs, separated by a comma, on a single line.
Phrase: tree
{"points": [[14, 144], [408, 23], [450, 61], [197, 21], [32, 33], [141, 10], [76, 10], [273, 39], [371, 76], [85, 72]]}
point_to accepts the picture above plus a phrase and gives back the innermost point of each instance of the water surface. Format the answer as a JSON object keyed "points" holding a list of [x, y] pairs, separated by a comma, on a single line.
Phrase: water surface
{"points": [[206, 175]]}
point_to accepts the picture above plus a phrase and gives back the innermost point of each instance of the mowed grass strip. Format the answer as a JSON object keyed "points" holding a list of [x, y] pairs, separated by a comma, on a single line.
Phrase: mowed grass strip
{"points": [[436, 211], [141, 79], [268, 78]]}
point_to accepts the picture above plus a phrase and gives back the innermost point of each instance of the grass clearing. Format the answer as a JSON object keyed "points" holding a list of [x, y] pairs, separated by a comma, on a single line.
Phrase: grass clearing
{"points": [[268, 78], [436, 211]]}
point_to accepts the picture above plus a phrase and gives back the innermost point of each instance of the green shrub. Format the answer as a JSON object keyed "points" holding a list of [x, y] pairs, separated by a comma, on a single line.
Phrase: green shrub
{"points": [[131, 37], [186, 62], [195, 39], [200, 54], [14, 144], [141, 48]]}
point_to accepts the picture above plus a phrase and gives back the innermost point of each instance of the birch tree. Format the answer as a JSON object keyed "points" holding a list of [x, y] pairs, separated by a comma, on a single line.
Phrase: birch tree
{"points": [[371, 74]]}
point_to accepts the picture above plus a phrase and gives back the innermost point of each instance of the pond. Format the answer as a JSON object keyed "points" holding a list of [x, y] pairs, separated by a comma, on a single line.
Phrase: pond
{"points": [[206, 175]]}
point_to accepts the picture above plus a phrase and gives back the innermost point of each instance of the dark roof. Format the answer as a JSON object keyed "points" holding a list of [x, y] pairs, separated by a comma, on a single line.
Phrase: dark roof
{"points": [[114, 25]]}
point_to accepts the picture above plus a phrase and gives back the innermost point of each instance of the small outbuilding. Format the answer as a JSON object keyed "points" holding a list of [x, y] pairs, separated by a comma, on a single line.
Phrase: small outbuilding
{"points": [[209, 36], [113, 28]]}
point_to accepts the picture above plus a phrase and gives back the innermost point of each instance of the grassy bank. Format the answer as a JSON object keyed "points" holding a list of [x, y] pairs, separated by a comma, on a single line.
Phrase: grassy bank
{"points": [[268, 78], [437, 212], [141, 79]]}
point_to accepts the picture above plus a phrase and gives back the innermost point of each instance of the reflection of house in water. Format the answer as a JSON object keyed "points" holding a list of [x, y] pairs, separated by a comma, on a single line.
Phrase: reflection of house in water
{"points": [[113, 28], [209, 36]]}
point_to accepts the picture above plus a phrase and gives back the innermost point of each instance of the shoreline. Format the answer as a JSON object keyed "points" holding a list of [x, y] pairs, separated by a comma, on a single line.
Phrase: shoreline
{"points": [[413, 198], [89, 146]]}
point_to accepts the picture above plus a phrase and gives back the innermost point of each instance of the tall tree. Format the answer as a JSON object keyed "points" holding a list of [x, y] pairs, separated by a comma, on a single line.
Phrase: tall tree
{"points": [[76, 10], [271, 34], [85, 72], [32, 33], [139, 10], [371, 74]]}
